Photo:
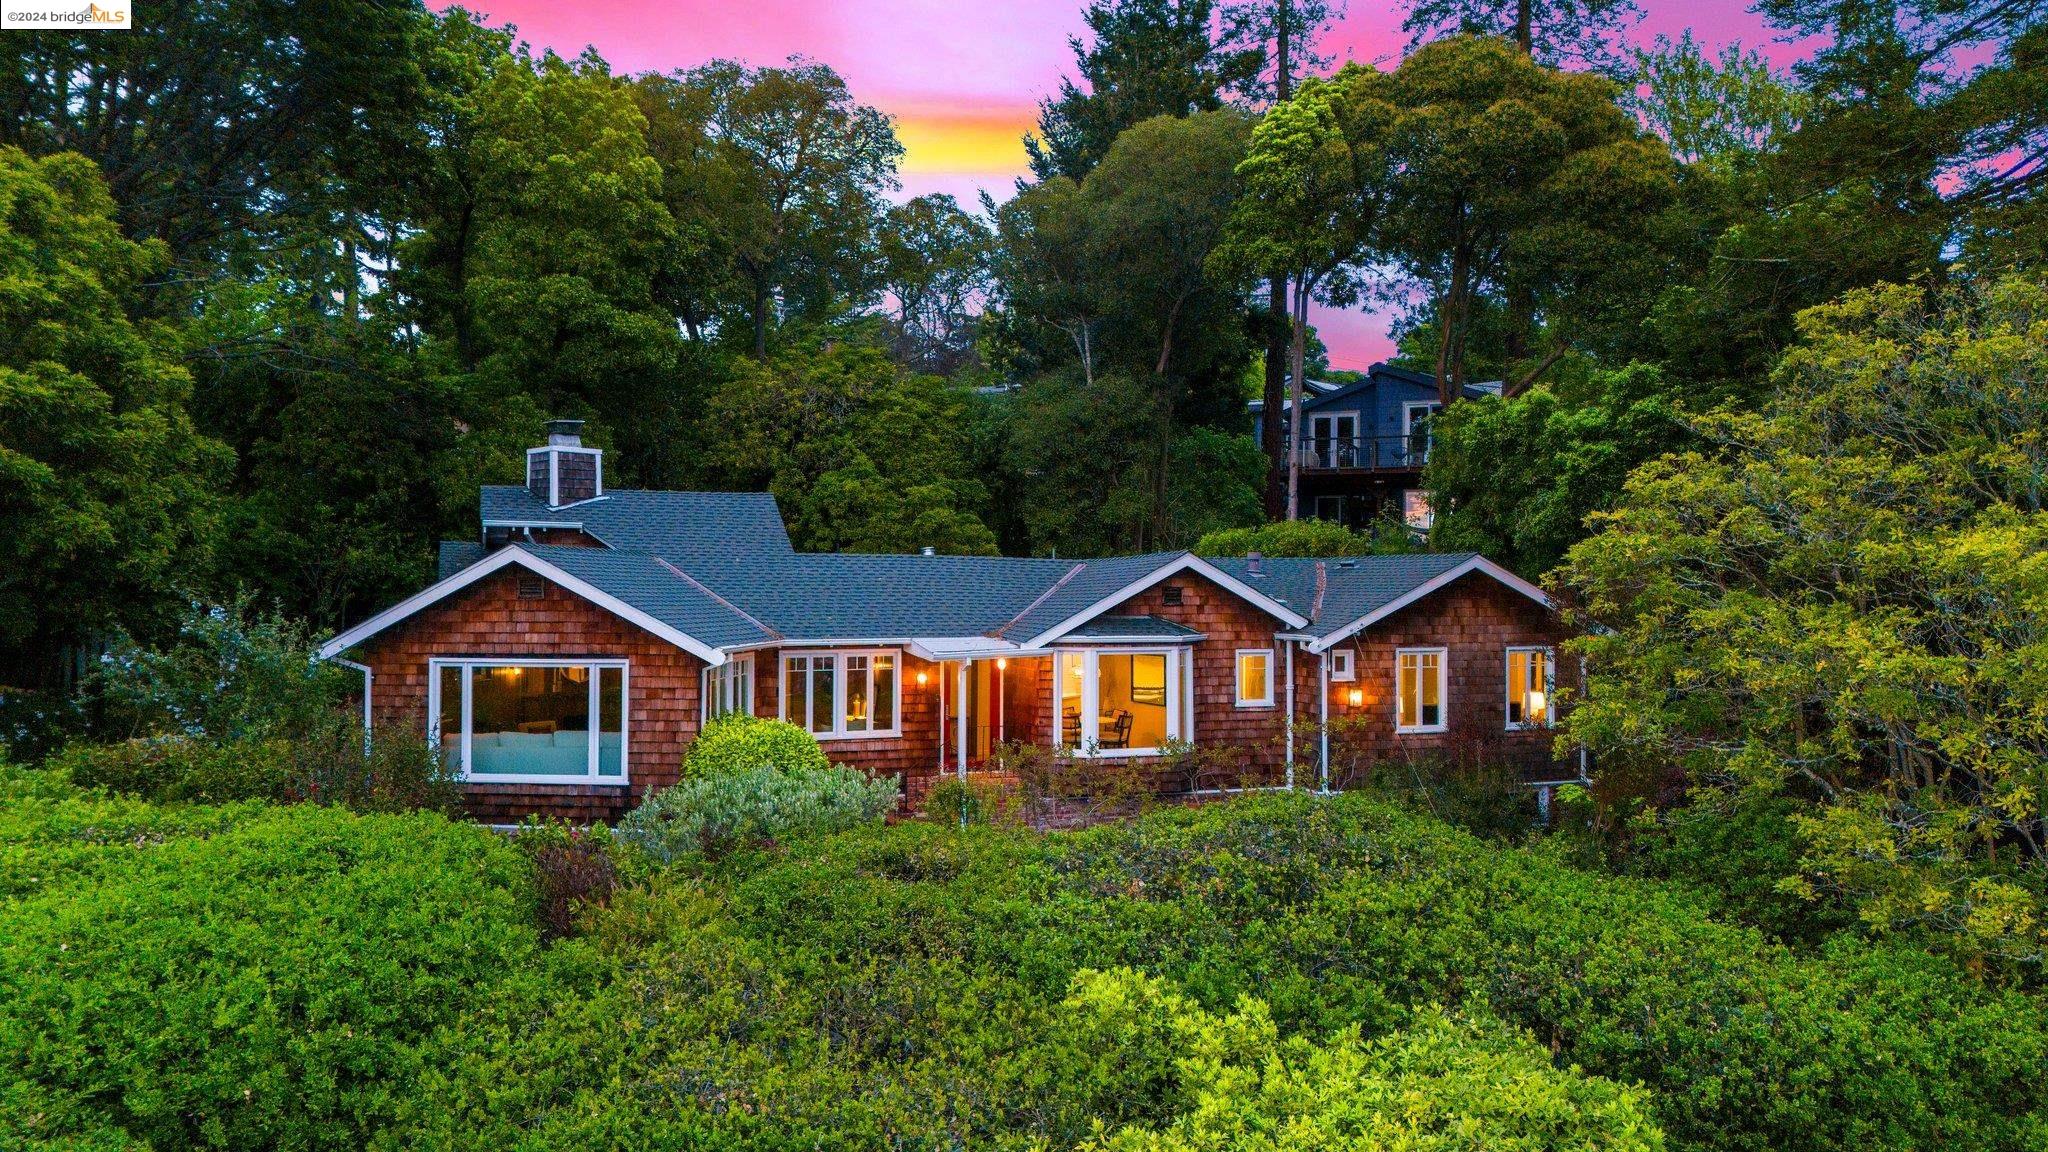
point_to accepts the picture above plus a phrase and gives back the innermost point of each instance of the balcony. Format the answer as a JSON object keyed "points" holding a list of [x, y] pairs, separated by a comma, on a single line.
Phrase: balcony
{"points": [[1364, 453]]}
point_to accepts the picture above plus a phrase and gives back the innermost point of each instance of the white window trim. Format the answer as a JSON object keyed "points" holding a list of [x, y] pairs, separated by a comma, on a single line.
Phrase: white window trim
{"points": [[838, 656], [1443, 690], [737, 671], [1507, 662], [1343, 665], [1177, 710], [1237, 678], [435, 664]]}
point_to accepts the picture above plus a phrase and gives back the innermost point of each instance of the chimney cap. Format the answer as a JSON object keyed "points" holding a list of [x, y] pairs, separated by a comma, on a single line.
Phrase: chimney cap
{"points": [[565, 433]]}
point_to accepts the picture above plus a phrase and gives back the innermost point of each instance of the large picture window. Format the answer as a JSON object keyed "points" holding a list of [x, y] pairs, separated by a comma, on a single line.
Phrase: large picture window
{"points": [[1119, 702], [843, 695], [1528, 688], [729, 688], [1419, 690], [533, 721]]}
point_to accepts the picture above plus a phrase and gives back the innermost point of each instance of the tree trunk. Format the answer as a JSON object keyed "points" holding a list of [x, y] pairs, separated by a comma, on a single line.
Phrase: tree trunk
{"points": [[1272, 436], [1283, 80], [1450, 321], [1297, 353], [1524, 32], [760, 319]]}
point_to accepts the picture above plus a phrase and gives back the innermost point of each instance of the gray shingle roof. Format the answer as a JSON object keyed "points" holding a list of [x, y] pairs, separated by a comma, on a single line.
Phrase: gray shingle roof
{"points": [[1132, 628], [454, 556], [1352, 586], [657, 589], [719, 567], [681, 526]]}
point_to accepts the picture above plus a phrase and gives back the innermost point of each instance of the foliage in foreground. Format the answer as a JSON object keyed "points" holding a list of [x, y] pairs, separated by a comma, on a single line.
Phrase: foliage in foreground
{"points": [[236, 978], [249, 976], [1843, 604], [1439, 1084], [716, 815], [905, 987], [738, 743]]}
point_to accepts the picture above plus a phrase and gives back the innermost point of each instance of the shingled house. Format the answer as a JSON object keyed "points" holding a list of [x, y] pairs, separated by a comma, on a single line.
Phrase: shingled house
{"points": [[566, 656]]}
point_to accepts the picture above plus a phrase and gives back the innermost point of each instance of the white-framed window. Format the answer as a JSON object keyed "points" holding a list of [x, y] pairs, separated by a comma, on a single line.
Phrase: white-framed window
{"points": [[844, 695], [729, 688], [1254, 677], [1119, 701], [1415, 509], [1420, 690], [529, 720], [1529, 699], [1343, 664]]}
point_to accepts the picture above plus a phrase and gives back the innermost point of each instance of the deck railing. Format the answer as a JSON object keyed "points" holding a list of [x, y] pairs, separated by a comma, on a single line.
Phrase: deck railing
{"points": [[1363, 453]]}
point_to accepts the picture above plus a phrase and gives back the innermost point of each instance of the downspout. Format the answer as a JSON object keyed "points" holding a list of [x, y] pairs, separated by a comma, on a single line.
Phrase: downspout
{"points": [[369, 681], [1585, 775], [1289, 650], [960, 706], [1323, 686]]}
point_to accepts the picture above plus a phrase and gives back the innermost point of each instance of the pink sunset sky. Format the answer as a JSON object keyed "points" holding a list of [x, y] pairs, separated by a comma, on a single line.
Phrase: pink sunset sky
{"points": [[963, 79]]}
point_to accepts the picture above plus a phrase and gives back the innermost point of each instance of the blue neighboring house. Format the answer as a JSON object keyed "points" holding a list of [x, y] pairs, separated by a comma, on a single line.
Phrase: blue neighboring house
{"points": [[1364, 443]]}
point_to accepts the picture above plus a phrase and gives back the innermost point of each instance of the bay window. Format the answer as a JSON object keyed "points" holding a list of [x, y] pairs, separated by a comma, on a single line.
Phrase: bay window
{"points": [[1119, 701], [530, 720], [729, 688], [1528, 688], [843, 695], [1419, 690]]}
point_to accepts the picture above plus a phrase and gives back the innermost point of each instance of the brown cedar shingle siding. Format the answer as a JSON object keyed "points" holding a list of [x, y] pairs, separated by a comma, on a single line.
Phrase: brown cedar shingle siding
{"points": [[489, 619], [1477, 620]]}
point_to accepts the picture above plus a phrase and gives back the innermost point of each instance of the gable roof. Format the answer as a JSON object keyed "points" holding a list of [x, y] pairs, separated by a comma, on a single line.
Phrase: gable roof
{"points": [[636, 586], [1096, 586], [1356, 592]]}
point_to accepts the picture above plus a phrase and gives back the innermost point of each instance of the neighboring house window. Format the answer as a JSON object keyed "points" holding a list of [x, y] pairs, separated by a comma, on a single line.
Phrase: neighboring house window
{"points": [[1119, 702], [1415, 416], [1415, 509], [1254, 677], [843, 695], [1343, 664], [1528, 688], [532, 721], [729, 688], [1419, 690]]}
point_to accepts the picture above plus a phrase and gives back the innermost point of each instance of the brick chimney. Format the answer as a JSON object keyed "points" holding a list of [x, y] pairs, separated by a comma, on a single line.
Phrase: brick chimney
{"points": [[563, 471]]}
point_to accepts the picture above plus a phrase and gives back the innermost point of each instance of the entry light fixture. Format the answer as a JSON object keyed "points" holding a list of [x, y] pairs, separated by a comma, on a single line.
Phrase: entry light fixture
{"points": [[1357, 697], [923, 678]]}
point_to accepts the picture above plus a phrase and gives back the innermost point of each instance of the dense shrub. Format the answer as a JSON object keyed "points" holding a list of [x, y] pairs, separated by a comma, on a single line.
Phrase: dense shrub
{"points": [[902, 987], [231, 673], [329, 762], [1442, 1083], [737, 743], [973, 801], [51, 832], [267, 986], [572, 868], [716, 815], [1738, 853]]}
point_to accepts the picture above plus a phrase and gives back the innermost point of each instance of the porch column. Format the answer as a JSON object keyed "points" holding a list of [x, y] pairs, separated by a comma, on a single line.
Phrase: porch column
{"points": [[1323, 691], [960, 706], [1287, 646], [942, 714]]}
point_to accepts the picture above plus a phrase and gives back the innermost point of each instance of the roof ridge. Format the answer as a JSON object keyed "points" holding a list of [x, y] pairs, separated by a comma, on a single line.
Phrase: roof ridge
{"points": [[1056, 585], [729, 605]]}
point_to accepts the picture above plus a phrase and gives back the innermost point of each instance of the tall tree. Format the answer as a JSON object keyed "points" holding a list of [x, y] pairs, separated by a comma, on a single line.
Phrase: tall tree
{"points": [[1284, 33], [1552, 31], [1517, 178], [1148, 58], [1727, 111], [1045, 275], [934, 269], [811, 166], [106, 489], [1318, 183]]}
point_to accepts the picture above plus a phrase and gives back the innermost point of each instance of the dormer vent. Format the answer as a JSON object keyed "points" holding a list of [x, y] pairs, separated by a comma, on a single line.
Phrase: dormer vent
{"points": [[563, 471]]}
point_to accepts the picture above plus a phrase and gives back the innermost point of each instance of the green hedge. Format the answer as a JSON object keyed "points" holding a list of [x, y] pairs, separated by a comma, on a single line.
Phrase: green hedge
{"points": [[240, 978], [718, 814], [904, 987]]}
